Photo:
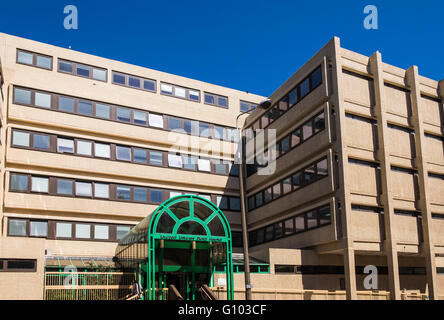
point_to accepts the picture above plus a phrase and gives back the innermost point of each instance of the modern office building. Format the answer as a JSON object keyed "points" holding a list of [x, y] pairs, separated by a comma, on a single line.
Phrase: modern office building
{"points": [[92, 146]]}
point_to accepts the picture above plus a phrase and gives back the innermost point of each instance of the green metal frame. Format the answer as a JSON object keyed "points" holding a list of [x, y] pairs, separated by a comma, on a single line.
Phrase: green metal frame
{"points": [[154, 238]]}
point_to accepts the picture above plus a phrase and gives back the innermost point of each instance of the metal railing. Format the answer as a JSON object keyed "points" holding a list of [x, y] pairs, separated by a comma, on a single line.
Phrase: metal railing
{"points": [[87, 285], [206, 293]]}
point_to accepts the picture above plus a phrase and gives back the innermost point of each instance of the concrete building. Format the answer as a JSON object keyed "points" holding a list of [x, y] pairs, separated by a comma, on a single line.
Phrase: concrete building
{"points": [[90, 146]]}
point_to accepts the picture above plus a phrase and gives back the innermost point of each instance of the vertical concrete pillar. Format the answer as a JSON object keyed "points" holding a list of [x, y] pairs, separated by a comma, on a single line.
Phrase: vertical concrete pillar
{"points": [[343, 193], [390, 245], [423, 203]]}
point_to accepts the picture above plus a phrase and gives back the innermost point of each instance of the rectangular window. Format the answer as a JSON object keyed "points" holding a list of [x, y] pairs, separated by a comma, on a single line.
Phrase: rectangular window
{"points": [[204, 130], [268, 195], [322, 168], [277, 191], [134, 82], [296, 137], [123, 193], [307, 130], [166, 89], [66, 104], [187, 127], [216, 100], [222, 202], [84, 148], [119, 78], [174, 124], [123, 153], [235, 204], [284, 269], [39, 184], [247, 106], [203, 165], [101, 190], [316, 78], [319, 123], [38, 228], [324, 215], [286, 186], [264, 121], [209, 98], [258, 199], [41, 141], [219, 133], [65, 66], [180, 92], [156, 158], [102, 150], [149, 85], [63, 230], [140, 117], [285, 145], [299, 223], [297, 180], [260, 236], [278, 230], [283, 104], [84, 107], [140, 194], [83, 231], [312, 219], [156, 196], [34, 59], [174, 161], [222, 102], [123, 114], [17, 265], [288, 227], [42, 100], [82, 70], [194, 95], [156, 121], [293, 97], [64, 187], [102, 111], [22, 96], [19, 182], [220, 167], [121, 231], [140, 155], [25, 57], [269, 232], [310, 175], [189, 162], [20, 138], [17, 227], [83, 189], [99, 74], [101, 232], [305, 87], [175, 194]]}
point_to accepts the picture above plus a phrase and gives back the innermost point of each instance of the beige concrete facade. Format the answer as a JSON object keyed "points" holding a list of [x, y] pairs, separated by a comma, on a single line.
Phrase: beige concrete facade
{"points": [[382, 141]]}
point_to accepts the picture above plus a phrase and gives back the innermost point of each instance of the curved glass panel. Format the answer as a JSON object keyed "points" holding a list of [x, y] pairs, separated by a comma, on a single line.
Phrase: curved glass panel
{"points": [[192, 227], [202, 211], [181, 209], [165, 224], [216, 227]]}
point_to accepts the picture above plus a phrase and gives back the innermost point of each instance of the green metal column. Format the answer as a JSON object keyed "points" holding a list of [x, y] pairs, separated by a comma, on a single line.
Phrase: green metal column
{"points": [[160, 263], [193, 273]]}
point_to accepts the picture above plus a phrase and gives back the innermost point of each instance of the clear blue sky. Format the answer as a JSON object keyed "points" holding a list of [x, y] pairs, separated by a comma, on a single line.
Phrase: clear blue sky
{"points": [[247, 45]]}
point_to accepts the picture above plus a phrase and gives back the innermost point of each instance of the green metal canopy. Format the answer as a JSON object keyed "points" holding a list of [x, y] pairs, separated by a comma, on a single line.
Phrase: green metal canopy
{"points": [[185, 218]]}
